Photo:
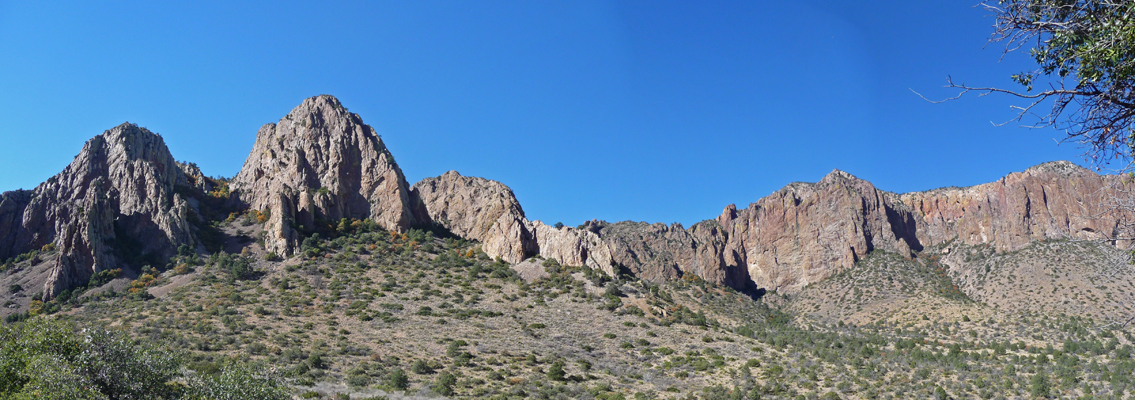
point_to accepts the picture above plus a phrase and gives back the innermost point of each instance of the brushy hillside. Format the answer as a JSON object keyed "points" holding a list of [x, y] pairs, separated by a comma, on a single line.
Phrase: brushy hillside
{"points": [[886, 287], [367, 313], [1054, 277]]}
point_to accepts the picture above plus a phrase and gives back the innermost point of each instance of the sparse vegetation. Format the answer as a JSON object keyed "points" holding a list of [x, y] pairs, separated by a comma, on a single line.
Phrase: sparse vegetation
{"points": [[358, 311]]}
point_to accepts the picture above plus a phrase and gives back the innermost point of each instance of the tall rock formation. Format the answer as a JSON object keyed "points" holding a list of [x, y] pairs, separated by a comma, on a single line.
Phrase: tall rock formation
{"points": [[806, 232], [115, 202], [316, 165]]}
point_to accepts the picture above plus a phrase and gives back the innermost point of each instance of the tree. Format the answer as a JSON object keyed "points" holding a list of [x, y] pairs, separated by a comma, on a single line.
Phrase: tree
{"points": [[420, 367], [398, 379], [1039, 386], [556, 372], [46, 359], [49, 357], [1085, 56], [443, 385]]}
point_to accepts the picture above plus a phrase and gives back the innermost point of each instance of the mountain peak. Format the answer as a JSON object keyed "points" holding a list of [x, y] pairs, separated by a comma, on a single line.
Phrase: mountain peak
{"points": [[837, 174], [321, 163], [1061, 167], [119, 189], [323, 101]]}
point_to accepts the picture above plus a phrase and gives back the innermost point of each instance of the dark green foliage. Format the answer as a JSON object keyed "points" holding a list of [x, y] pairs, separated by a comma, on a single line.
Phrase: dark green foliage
{"points": [[556, 371], [1039, 385], [940, 394], [421, 367], [235, 266], [443, 385], [52, 359], [454, 348], [398, 379], [103, 277]]}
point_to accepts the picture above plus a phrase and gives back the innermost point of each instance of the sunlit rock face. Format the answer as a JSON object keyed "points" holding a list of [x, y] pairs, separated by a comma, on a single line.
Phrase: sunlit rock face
{"points": [[800, 234], [117, 200], [318, 164]]}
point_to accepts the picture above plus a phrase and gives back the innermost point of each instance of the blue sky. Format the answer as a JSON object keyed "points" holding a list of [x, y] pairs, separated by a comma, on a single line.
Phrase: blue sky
{"points": [[658, 111]]}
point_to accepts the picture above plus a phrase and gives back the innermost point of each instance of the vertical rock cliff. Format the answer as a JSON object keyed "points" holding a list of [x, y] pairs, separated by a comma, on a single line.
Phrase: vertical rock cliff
{"points": [[114, 204], [316, 165], [1052, 200]]}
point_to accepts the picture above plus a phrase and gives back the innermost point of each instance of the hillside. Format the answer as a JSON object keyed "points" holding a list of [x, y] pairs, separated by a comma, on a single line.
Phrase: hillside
{"points": [[358, 307], [319, 264]]}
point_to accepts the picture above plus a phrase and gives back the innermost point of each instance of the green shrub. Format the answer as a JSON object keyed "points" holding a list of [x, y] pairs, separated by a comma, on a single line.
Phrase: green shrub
{"points": [[47, 359], [443, 385], [556, 372], [420, 367], [398, 379]]}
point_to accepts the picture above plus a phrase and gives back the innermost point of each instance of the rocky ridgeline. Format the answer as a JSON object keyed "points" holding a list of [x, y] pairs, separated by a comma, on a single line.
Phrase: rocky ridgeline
{"points": [[487, 211], [318, 164], [115, 200], [801, 234], [321, 163]]}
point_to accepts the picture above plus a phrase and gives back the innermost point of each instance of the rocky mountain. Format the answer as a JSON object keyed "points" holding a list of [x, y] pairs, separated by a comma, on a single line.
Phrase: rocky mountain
{"points": [[116, 202], [318, 164], [801, 234]]}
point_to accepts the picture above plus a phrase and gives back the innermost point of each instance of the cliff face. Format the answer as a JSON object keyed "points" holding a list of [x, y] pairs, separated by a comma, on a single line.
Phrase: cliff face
{"points": [[318, 164], [801, 234], [1052, 200], [806, 232], [478, 209], [115, 202]]}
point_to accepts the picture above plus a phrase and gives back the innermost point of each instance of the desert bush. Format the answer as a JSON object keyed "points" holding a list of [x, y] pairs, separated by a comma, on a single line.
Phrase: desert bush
{"points": [[420, 367]]}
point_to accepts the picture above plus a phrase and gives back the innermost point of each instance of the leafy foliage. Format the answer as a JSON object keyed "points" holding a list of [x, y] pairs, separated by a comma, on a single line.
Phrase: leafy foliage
{"points": [[47, 359], [1086, 51], [40, 357]]}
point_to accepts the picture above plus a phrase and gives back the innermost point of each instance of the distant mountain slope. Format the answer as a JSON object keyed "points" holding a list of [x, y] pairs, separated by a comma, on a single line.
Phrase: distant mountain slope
{"points": [[1068, 277]]}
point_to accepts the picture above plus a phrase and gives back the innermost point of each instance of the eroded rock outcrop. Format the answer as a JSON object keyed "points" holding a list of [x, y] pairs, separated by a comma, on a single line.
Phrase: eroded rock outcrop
{"points": [[487, 211], [478, 209], [318, 164], [115, 202]]}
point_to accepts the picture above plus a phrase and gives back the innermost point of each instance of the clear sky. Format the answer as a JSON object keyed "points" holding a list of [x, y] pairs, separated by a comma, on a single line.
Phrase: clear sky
{"points": [[658, 111]]}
